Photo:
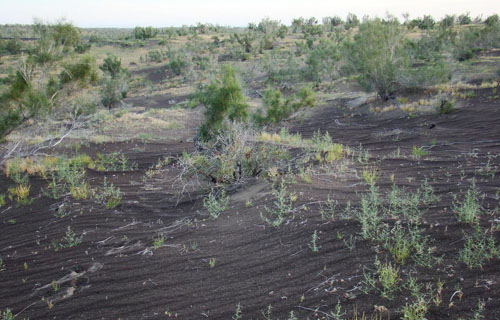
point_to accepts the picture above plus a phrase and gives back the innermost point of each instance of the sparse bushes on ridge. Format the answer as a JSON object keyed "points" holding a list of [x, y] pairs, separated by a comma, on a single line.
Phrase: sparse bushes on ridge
{"points": [[143, 33]]}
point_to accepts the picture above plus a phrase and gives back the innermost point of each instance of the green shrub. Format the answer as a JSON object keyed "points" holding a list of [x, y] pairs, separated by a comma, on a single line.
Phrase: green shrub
{"points": [[82, 47], [114, 90], [142, 33], [177, 61], [65, 35], [464, 19], [112, 65], [83, 71], [11, 46], [322, 61], [223, 99], [277, 108], [378, 54]]}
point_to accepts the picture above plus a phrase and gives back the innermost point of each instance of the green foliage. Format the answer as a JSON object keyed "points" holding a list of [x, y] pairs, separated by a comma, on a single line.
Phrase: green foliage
{"points": [[143, 33], [386, 279], [7, 314], [159, 241], [351, 21], [464, 19], [215, 205], [114, 90], [245, 40], [11, 46], [492, 21], [109, 195], [278, 108], [112, 65], [469, 210], [65, 35], [322, 61], [83, 71], [231, 156], [177, 61], [69, 240], [282, 206], [82, 47], [223, 99], [415, 311], [378, 54], [446, 106], [478, 249]]}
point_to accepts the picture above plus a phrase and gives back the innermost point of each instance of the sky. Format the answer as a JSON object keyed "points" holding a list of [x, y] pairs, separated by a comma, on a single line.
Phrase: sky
{"points": [[164, 13]]}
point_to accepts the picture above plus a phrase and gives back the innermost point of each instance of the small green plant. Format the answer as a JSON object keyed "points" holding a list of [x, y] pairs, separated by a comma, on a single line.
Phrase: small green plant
{"points": [[267, 313], [237, 313], [159, 241], [283, 206], [2, 265], [25, 265], [112, 65], [370, 214], [370, 175], [109, 195], [83, 71], [55, 286], [419, 152], [216, 205], [415, 311], [69, 240], [314, 242], [21, 192], [385, 279], [469, 209], [478, 249], [446, 106], [7, 314], [211, 262]]}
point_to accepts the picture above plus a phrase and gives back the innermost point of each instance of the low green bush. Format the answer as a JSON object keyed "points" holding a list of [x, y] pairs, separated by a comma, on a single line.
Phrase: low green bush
{"points": [[83, 71]]}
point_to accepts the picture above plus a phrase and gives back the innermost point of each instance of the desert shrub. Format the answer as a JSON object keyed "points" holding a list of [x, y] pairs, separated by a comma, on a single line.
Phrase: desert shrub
{"points": [[112, 65], [425, 23], [464, 19], [223, 99], [282, 31], [9, 120], [277, 108], [82, 47], [143, 33], [351, 21], [377, 52], [231, 156], [245, 40], [177, 61], [83, 71], [445, 105], [492, 20], [11, 46], [447, 21], [114, 90], [282, 68], [155, 56], [65, 35], [322, 61]]}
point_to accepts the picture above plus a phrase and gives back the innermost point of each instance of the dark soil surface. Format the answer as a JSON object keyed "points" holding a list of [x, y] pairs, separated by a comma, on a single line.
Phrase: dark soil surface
{"points": [[115, 273]]}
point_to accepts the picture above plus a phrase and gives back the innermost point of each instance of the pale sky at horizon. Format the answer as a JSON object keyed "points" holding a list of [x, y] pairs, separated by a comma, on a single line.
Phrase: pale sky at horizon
{"points": [[163, 13]]}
